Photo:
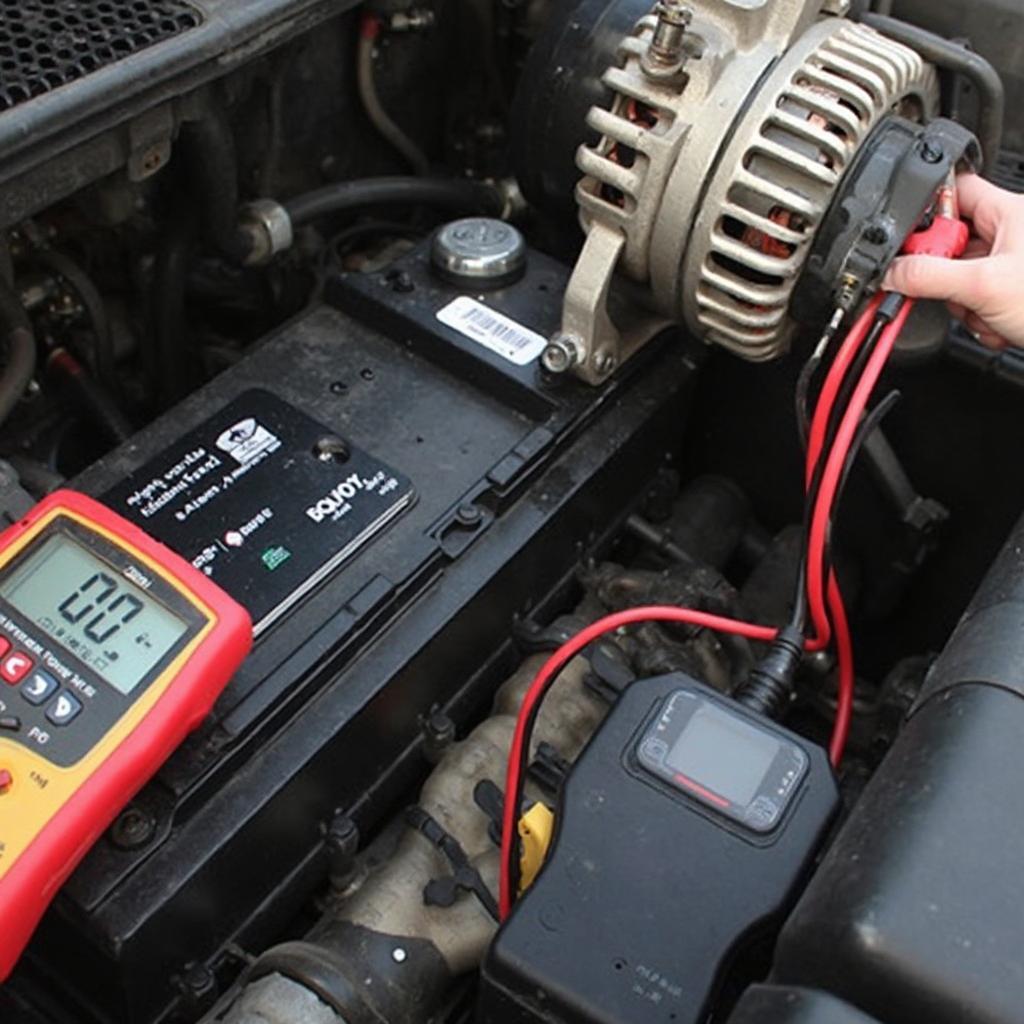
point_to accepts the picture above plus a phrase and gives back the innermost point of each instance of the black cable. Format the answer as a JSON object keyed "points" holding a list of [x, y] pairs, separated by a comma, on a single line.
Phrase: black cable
{"points": [[867, 426], [459, 195]]}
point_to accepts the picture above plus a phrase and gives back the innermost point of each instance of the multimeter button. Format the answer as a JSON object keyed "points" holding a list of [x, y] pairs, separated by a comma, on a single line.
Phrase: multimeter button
{"points": [[5, 646], [15, 666], [39, 687], [10, 723], [6, 781], [64, 709]]}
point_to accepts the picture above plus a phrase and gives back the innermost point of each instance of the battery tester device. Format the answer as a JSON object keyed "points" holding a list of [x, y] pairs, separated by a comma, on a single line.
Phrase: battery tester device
{"points": [[112, 649], [683, 833]]}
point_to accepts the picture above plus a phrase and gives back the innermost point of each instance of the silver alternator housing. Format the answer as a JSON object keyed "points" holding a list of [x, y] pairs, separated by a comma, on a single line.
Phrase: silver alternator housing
{"points": [[710, 179]]}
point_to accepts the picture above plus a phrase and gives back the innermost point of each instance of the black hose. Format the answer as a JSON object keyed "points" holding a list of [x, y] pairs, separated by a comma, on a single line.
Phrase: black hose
{"points": [[208, 149], [454, 194], [174, 260], [951, 56], [20, 342]]}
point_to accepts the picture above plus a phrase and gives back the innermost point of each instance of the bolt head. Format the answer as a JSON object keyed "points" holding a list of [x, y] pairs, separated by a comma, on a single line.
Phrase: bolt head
{"points": [[561, 354]]}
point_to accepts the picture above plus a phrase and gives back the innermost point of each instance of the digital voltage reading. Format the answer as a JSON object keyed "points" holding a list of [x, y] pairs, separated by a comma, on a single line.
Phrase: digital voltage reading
{"points": [[96, 593], [104, 619]]}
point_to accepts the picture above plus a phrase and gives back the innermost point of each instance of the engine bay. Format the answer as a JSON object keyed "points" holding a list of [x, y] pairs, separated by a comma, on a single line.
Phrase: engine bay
{"points": [[501, 361]]}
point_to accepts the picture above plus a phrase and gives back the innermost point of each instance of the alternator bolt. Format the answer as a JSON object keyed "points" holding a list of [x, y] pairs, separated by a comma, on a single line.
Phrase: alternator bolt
{"points": [[930, 153], [666, 50], [561, 354]]}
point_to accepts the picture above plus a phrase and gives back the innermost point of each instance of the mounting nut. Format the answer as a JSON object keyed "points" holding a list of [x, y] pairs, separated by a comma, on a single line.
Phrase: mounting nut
{"points": [[267, 229], [562, 354]]}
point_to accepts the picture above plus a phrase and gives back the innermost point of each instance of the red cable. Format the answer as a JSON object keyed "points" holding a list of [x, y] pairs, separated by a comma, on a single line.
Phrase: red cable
{"points": [[817, 598], [818, 535], [846, 673], [820, 523]]}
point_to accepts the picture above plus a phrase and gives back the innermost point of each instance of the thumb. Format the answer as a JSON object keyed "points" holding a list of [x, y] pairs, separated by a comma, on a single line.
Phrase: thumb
{"points": [[932, 277]]}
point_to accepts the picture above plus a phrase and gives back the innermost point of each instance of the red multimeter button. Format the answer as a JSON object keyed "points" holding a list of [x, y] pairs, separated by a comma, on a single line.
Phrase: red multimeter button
{"points": [[5, 646], [6, 780], [15, 666]]}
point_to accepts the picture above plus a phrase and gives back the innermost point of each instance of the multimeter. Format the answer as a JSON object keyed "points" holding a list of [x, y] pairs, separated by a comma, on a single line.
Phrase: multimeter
{"points": [[112, 648]]}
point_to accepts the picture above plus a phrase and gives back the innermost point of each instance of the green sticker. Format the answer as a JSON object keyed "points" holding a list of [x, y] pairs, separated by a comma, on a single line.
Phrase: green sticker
{"points": [[273, 557]]}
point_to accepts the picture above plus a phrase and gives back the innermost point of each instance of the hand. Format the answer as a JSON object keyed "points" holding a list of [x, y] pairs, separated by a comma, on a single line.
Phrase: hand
{"points": [[984, 289]]}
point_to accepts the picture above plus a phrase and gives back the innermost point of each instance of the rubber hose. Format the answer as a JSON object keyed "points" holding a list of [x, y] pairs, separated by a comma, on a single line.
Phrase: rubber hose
{"points": [[21, 350], [950, 56], [454, 194], [379, 117], [170, 322], [208, 148]]}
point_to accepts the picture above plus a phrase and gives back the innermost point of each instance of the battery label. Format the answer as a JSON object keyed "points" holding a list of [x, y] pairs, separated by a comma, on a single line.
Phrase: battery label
{"points": [[493, 330], [264, 500]]}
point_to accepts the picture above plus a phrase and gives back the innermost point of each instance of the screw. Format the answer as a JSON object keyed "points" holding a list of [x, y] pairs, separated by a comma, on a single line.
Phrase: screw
{"points": [[562, 354], [468, 515], [931, 153], [605, 362], [876, 234], [338, 387], [398, 955], [438, 732], [342, 843], [132, 829]]}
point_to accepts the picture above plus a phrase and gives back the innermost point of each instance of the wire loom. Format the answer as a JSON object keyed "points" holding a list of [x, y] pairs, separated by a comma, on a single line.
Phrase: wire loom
{"points": [[45, 44]]}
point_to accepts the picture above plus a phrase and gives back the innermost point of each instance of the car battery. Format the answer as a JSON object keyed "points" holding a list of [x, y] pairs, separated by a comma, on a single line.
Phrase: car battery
{"points": [[386, 489]]}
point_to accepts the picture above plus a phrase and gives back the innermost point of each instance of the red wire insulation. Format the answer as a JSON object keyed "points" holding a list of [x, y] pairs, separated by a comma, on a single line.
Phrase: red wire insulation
{"points": [[817, 589], [846, 673], [830, 479]]}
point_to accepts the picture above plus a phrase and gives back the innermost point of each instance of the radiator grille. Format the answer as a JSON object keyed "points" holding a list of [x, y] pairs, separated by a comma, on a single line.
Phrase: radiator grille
{"points": [[45, 44]]}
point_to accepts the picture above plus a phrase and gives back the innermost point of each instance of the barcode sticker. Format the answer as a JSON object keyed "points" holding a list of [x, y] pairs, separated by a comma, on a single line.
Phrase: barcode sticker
{"points": [[493, 330]]}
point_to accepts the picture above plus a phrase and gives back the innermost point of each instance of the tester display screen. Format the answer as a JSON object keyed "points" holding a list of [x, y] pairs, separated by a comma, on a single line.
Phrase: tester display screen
{"points": [[113, 626], [721, 752]]}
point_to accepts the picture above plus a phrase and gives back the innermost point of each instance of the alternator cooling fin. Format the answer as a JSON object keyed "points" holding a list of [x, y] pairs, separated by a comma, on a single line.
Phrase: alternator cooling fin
{"points": [[779, 174]]}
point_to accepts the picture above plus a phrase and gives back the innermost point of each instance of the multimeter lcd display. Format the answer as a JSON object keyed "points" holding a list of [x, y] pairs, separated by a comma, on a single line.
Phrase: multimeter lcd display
{"points": [[723, 753], [105, 620]]}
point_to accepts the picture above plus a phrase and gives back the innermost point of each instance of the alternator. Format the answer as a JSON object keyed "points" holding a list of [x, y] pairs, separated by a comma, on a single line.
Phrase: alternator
{"points": [[732, 125]]}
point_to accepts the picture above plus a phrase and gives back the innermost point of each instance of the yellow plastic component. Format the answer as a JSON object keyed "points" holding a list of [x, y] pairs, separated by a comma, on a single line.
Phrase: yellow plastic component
{"points": [[536, 827]]}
